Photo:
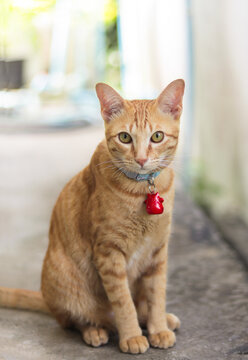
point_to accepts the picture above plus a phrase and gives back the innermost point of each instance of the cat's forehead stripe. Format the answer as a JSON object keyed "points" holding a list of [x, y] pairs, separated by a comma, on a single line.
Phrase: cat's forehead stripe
{"points": [[141, 115]]}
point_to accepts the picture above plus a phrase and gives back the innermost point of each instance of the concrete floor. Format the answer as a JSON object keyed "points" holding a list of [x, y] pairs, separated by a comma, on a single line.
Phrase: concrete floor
{"points": [[207, 283]]}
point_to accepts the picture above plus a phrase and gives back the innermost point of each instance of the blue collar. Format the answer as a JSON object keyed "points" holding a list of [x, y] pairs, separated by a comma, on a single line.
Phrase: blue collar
{"points": [[140, 177]]}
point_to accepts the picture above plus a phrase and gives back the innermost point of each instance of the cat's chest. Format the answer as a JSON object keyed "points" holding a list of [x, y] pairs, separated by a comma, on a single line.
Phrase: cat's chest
{"points": [[140, 258]]}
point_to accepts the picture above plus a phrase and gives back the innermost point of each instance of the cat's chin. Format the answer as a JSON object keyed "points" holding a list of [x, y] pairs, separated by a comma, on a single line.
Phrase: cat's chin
{"points": [[142, 171]]}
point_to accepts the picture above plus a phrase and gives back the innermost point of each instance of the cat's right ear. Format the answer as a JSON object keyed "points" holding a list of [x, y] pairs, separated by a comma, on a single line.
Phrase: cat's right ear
{"points": [[170, 101], [111, 102]]}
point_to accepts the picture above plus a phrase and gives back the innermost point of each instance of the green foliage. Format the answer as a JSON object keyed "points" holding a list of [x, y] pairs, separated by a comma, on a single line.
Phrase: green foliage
{"points": [[16, 21], [30, 8], [110, 22], [111, 43], [110, 12]]}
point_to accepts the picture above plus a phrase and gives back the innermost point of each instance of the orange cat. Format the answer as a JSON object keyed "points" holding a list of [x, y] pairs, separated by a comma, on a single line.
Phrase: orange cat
{"points": [[106, 263]]}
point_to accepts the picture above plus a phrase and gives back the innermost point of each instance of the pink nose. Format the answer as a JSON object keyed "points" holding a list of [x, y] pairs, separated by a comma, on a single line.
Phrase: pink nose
{"points": [[141, 161]]}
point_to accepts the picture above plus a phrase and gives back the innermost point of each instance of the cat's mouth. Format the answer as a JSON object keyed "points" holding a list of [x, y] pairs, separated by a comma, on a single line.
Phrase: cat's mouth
{"points": [[128, 166], [141, 170], [147, 168], [144, 171]]}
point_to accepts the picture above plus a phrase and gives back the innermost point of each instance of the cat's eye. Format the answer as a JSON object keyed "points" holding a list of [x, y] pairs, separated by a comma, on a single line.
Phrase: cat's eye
{"points": [[157, 137], [125, 138]]}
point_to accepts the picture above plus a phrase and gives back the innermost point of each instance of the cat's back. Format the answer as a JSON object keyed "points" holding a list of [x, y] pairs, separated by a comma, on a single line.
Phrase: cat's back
{"points": [[77, 192], [69, 216]]}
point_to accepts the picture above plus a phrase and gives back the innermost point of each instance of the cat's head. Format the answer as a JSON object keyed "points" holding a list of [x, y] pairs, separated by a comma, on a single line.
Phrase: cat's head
{"points": [[142, 135]]}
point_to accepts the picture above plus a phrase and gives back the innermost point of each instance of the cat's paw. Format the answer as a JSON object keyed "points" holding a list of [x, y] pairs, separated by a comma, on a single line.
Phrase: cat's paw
{"points": [[173, 322], [134, 345], [95, 336], [163, 339]]}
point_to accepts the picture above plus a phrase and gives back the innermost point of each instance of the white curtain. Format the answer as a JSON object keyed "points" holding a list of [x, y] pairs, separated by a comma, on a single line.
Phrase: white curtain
{"points": [[155, 49], [221, 106], [153, 44]]}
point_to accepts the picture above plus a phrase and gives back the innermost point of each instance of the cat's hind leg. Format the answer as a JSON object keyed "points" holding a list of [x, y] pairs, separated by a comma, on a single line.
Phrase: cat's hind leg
{"points": [[173, 321], [91, 334], [94, 336]]}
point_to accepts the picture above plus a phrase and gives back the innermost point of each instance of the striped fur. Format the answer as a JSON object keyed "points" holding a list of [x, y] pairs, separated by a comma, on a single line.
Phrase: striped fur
{"points": [[105, 267]]}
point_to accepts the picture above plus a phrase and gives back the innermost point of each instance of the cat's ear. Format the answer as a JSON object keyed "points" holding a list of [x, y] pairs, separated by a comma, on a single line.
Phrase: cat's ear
{"points": [[111, 102], [170, 101]]}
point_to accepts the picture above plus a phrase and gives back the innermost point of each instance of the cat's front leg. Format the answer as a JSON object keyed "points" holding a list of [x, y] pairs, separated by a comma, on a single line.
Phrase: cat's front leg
{"points": [[111, 265], [154, 282]]}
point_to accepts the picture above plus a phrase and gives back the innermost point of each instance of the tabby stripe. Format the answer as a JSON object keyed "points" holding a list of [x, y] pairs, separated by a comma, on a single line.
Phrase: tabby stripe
{"points": [[118, 303], [108, 229], [171, 147], [108, 251], [106, 246], [154, 269], [151, 290], [111, 137], [101, 266], [157, 251], [146, 117], [110, 272], [171, 135], [149, 148], [136, 118]]}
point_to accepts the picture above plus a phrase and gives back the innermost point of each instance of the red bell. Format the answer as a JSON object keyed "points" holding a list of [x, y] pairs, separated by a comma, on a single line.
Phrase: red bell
{"points": [[154, 204]]}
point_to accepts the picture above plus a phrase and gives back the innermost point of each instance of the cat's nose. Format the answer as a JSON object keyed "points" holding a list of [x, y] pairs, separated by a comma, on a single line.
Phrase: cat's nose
{"points": [[141, 162]]}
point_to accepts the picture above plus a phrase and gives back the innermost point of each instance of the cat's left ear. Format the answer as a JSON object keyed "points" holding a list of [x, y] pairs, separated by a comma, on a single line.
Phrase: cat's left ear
{"points": [[170, 101], [111, 102]]}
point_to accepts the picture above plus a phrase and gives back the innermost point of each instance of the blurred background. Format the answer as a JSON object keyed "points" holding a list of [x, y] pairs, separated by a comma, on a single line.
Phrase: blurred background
{"points": [[53, 52]]}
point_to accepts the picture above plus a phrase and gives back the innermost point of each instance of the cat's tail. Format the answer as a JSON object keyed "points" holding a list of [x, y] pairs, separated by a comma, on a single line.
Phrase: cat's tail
{"points": [[23, 299]]}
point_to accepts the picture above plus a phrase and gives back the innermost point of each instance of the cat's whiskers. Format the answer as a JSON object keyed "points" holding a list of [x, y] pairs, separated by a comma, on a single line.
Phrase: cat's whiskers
{"points": [[118, 171], [113, 164], [109, 167], [109, 161], [171, 165]]}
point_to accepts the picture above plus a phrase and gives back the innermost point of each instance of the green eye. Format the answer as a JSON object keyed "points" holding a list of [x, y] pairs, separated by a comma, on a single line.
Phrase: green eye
{"points": [[125, 138], [157, 136]]}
